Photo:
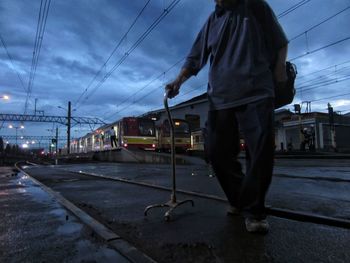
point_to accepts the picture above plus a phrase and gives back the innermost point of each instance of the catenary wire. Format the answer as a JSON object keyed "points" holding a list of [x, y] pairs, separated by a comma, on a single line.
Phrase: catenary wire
{"points": [[41, 25], [114, 50], [320, 23], [293, 8], [321, 48], [12, 63], [135, 45]]}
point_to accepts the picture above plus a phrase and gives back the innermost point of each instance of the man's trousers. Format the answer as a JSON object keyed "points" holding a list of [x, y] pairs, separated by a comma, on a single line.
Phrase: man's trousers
{"points": [[256, 122]]}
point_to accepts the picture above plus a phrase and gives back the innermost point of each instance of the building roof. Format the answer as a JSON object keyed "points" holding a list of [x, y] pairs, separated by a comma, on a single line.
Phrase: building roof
{"points": [[195, 100]]}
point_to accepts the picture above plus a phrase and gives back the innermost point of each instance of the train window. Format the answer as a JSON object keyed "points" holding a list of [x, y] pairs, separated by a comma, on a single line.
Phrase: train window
{"points": [[196, 139], [125, 128], [146, 127], [180, 127]]}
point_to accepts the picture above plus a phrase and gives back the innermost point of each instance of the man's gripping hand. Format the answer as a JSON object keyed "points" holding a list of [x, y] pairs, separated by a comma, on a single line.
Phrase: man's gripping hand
{"points": [[173, 88]]}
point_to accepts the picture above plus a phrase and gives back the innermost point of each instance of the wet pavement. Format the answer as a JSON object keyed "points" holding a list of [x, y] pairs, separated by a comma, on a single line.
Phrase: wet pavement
{"points": [[317, 186], [204, 233], [35, 228]]}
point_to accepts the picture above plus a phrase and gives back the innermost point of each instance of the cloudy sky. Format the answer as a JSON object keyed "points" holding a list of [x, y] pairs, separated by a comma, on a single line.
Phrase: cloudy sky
{"points": [[87, 58]]}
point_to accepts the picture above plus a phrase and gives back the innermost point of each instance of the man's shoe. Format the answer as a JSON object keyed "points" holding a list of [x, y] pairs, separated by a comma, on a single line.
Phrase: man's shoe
{"points": [[233, 211], [256, 226]]}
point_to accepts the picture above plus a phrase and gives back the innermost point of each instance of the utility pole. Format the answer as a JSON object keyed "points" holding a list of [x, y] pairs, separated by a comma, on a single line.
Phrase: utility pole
{"points": [[308, 106], [68, 127], [56, 160], [35, 106], [332, 126], [297, 110]]}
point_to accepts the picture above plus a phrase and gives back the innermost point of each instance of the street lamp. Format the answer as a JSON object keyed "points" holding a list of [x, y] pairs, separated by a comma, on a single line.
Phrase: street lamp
{"points": [[5, 97], [16, 127]]}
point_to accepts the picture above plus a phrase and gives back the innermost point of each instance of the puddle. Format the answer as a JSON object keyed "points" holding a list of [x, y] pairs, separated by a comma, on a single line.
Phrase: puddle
{"points": [[69, 228], [33, 190], [88, 252], [59, 212]]}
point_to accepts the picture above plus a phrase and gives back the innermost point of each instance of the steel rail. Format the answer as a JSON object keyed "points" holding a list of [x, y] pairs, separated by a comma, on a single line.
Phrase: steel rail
{"points": [[277, 212]]}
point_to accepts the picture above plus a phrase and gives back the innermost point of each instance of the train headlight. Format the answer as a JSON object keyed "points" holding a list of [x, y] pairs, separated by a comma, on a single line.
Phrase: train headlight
{"points": [[125, 145], [153, 146]]}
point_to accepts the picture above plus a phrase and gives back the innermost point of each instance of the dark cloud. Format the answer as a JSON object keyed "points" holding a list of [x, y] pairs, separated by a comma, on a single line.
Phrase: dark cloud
{"points": [[80, 35]]}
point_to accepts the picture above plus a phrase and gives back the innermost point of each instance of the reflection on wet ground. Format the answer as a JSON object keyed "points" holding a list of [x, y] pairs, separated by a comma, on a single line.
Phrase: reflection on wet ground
{"points": [[35, 228]]}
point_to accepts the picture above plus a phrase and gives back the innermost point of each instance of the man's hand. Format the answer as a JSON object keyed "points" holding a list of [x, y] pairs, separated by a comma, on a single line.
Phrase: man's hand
{"points": [[173, 88]]}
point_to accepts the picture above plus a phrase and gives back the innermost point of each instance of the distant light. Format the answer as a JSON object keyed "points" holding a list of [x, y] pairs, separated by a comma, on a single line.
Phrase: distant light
{"points": [[24, 145], [33, 142], [22, 127], [43, 152], [153, 146], [52, 145], [7, 142], [125, 145], [177, 123], [5, 97], [21, 137], [10, 126], [154, 119]]}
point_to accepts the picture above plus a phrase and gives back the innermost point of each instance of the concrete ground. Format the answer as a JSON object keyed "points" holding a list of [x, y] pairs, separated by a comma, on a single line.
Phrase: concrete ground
{"points": [[204, 233], [35, 228]]}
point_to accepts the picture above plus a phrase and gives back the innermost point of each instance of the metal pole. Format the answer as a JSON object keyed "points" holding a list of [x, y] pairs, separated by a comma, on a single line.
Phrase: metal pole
{"points": [[172, 137], [16, 134], [56, 160], [35, 106], [172, 203], [68, 127]]}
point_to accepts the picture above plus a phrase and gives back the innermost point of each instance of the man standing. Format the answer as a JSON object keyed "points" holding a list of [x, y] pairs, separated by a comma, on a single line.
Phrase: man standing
{"points": [[241, 98], [113, 137]]}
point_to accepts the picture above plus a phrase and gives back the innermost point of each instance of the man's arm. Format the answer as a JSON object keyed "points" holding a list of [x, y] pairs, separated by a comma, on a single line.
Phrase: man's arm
{"points": [[195, 61], [174, 86]]}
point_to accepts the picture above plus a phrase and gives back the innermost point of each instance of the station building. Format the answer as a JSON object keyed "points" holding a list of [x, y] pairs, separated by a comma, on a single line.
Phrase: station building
{"points": [[327, 133]]}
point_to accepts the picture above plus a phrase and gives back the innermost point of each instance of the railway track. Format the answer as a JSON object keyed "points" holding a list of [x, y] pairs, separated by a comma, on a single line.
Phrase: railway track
{"points": [[273, 211]]}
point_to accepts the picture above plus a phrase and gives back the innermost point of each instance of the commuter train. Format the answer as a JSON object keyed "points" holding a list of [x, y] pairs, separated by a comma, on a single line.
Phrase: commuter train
{"points": [[134, 133], [182, 135], [198, 141]]}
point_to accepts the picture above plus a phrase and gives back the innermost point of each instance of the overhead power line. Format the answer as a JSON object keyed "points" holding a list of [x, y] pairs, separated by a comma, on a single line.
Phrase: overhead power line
{"points": [[321, 48], [13, 66], [144, 87], [136, 44], [286, 12], [337, 73], [323, 84], [114, 50], [320, 70], [320, 23], [39, 36], [332, 97], [292, 8]]}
